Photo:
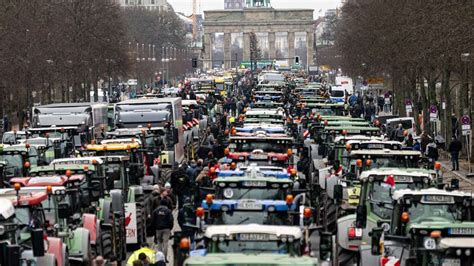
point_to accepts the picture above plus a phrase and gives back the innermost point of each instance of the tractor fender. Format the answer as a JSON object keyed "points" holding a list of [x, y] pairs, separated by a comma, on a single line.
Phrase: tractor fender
{"points": [[106, 210], [343, 225], [117, 200], [366, 257], [134, 191], [80, 244], [56, 247], [47, 259], [89, 222]]}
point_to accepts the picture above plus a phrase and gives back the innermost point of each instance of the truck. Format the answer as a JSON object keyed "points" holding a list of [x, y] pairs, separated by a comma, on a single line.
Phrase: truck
{"points": [[166, 113], [88, 118]]}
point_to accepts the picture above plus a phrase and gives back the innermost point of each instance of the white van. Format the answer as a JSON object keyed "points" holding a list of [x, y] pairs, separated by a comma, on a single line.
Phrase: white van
{"points": [[408, 123], [338, 94]]}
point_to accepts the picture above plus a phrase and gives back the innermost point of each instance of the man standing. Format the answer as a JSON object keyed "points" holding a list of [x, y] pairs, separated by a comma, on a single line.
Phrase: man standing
{"points": [[454, 148], [163, 223], [180, 184]]}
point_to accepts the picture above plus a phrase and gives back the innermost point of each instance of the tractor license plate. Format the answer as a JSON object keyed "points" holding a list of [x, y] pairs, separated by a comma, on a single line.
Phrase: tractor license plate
{"points": [[258, 157], [451, 262], [249, 205], [255, 184], [254, 237]]}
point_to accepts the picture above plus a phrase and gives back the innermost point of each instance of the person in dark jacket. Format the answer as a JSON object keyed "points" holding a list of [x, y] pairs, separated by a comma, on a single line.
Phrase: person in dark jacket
{"points": [[186, 217], [163, 222], [180, 184], [454, 148]]}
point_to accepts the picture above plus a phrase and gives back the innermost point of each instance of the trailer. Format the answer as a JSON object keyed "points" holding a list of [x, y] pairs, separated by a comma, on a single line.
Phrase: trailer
{"points": [[88, 118]]}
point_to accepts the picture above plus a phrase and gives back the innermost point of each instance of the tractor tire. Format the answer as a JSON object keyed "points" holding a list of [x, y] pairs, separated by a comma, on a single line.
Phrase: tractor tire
{"points": [[166, 175], [330, 212], [141, 227], [120, 236], [106, 244]]}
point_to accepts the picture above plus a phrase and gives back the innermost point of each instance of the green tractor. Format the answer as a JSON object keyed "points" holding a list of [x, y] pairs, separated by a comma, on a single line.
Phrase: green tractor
{"points": [[137, 204], [375, 205], [19, 158], [428, 227], [97, 197]]}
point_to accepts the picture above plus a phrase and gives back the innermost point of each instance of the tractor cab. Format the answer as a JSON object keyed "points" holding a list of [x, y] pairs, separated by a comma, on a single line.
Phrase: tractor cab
{"points": [[260, 147], [116, 147], [13, 137], [58, 140], [63, 217], [19, 158], [374, 205], [30, 217], [429, 227]]}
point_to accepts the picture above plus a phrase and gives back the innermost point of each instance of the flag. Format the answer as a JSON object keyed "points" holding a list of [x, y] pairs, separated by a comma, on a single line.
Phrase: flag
{"points": [[389, 181], [306, 134]]}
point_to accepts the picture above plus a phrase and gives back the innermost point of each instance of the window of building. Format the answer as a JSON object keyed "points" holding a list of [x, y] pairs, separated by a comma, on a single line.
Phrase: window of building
{"points": [[152, 2]]}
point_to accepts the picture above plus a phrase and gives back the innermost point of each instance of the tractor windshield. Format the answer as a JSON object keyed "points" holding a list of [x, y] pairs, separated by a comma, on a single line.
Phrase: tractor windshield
{"points": [[252, 217], [380, 197], [273, 146], [420, 212], [252, 193], [14, 165]]}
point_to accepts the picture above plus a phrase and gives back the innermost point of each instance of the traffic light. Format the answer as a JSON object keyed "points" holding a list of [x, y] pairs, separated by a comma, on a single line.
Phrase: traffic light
{"points": [[297, 60], [195, 62]]}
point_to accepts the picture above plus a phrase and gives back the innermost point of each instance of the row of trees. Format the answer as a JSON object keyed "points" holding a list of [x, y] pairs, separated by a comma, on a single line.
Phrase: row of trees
{"points": [[424, 48], [59, 50]]}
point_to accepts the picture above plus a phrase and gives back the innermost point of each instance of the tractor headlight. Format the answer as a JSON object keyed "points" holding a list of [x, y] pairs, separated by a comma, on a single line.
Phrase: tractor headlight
{"points": [[429, 243], [2, 230]]}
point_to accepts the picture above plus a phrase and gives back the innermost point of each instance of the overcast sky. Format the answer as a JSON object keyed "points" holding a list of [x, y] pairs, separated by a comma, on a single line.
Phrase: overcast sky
{"points": [[185, 6]]}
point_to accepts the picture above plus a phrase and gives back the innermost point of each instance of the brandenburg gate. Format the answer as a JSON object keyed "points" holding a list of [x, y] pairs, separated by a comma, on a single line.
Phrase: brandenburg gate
{"points": [[257, 19]]}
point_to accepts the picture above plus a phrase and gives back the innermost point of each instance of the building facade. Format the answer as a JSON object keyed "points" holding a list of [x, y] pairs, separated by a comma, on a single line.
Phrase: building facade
{"points": [[233, 4], [159, 5]]}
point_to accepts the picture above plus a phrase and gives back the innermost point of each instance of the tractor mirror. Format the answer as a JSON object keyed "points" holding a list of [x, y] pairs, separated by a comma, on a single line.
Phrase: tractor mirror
{"points": [[10, 254], [454, 184], [63, 210], [361, 216], [376, 234], [37, 241], [338, 192], [175, 135], [325, 246]]}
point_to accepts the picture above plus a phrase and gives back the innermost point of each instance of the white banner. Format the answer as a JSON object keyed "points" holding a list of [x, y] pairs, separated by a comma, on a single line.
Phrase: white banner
{"points": [[131, 223]]}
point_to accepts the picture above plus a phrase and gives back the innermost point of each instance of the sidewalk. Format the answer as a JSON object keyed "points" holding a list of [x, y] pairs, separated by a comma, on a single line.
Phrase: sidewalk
{"points": [[465, 183]]}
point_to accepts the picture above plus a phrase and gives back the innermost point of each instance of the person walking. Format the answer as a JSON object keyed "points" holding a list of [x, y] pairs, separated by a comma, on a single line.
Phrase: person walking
{"points": [[180, 184], [432, 153], [163, 223], [455, 148]]}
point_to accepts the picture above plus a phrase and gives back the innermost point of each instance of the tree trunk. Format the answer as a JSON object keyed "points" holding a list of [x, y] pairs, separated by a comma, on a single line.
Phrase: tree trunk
{"points": [[424, 103], [446, 94]]}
